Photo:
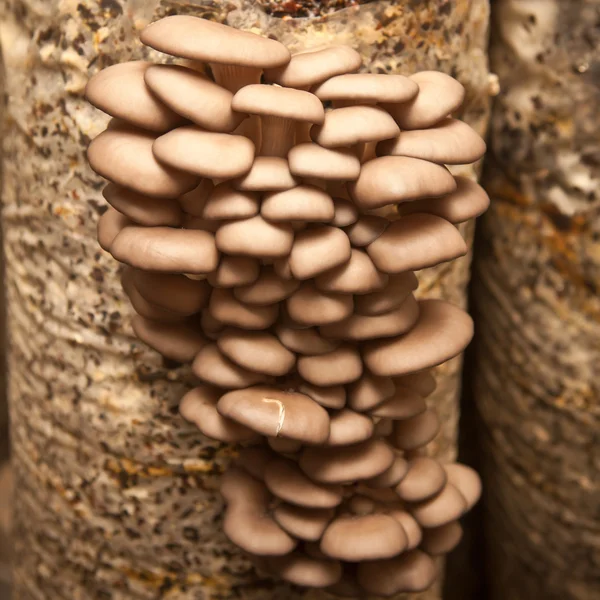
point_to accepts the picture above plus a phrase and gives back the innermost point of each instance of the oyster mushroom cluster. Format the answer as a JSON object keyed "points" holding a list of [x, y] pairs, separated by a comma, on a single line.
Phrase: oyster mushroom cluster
{"points": [[270, 211]]}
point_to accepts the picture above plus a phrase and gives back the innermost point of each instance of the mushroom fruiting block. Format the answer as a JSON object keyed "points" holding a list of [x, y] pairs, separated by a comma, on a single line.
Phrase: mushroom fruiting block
{"points": [[271, 242]]}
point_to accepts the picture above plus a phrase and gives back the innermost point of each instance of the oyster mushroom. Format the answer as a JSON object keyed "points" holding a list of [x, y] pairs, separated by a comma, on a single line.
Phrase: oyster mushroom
{"points": [[224, 307], [415, 432], [225, 203], [399, 287], [424, 478], [301, 203], [308, 306], [268, 288], [301, 522], [443, 508], [370, 391], [267, 174], [311, 161], [304, 341], [443, 539], [333, 396], [110, 224], [233, 271], [348, 427], [305, 571], [338, 367]]}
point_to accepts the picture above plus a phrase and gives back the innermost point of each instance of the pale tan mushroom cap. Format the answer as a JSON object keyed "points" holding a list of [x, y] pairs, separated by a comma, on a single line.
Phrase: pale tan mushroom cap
{"points": [[267, 174], [301, 203], [370, 391], [466, 480], [346, 212], [226, 203], [398, 289], [443, 539], [207, 41], [422, 382], [110, 224], [403, 404], [333, 396], [284, 446], [442, 332], [339, 367], [366, 230], [304, 341], [425, 478], [348, 427], [225, 307], [268, 288], [308, 306], [392, 476], [192, 203], [306, 571], [317, 250], [310, 160], [445, 507], [367, 88], [233, 271], [302, 522], [120, 91], [415, 432]]}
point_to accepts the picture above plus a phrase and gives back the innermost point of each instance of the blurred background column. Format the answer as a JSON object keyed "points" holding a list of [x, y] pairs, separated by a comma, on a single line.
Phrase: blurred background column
{"points": [[536, 289]]}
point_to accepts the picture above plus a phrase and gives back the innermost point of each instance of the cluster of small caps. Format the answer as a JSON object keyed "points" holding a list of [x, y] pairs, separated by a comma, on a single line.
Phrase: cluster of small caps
{"points": [[272, 242]]}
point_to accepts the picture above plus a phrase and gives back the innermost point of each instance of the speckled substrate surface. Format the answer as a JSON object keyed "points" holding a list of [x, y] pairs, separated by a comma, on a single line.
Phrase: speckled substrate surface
{"points": [[117, 496], [538, 309]]}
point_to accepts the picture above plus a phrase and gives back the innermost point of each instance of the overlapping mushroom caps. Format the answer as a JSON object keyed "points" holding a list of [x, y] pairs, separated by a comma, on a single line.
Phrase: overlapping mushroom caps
{"points": [[248, 218]]}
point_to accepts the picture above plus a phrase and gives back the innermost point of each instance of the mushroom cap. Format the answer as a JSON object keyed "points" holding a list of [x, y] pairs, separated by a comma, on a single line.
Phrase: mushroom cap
{"points": [[283, 445], [192, 203], [301, 522], [256, 351], [308, 306], [268, 288], [447, 506], [267, 174], [206, 41], [233, 271], [348, 427], [120, 91], [425, 478], [366, 230], [209, 324], [370, 391], [439, 95], [413, 571], [394, 179], [338, 367], [403, 404], [254, 459], [352, 125], [421, 382], [225, 202], [361, 505], [468, 201], [213, 367], [255, 237], [450, 142], [357, 276], [391, 324], [415, 432], [177, 341], [277, 413], [301, 203], [191, 94], [172, 292], [305, 571], [396, 292], [367, 537], [144, 210], [367, 88], [345, 212], [109, 226], [442, 540], [317, 250], [315, 65], [167, 250], [466, 481], [205, 153], [333, 396], [124, 156], [343, 464], [315, 162], [286, 481], [224, 307], [141, 305], [392, 476], [442, 332], [199, 406], [304, 341], [411, 527], [275, 101]]}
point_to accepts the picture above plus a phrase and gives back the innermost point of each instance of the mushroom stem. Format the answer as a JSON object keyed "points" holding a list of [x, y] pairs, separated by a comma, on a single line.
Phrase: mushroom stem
{"points": [[278, 136], [234, 77]]}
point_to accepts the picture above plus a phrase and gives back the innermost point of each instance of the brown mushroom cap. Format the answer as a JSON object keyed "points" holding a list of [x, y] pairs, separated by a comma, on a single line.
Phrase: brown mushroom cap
{"points": [[254, 460], [392, 476], [284, 446], [354, 125], [422, 382], [192, 203], [442, 332], [447, 506], [224, 307], [357, 276], [233, 271], [255, 237], [466, 481], [333, 396], [145, 210], [277, 413], [305, 571], [226, 203], [345, 212], [450, 142], [467, 202], [288, 482], [411, 527], [301, 522], [359, 327], [205, 153], [366, 230], [361, 505], [317, 250], [441, 540], [315, 65], [167, 250], [210, 326], [120, 91], [338, 367], [177, 341], [415, 432], [342, 464], [414, 571], [268, 288], [398, 289], [206, 41], [256, 351], [425, 478], [370, 391], [308, 306], [368, 537], [315, 162], [301, 203], [191, 94], [246, 521], [348, 427], [110, 225], [304, 341], [403, 404], [267, 174], [439, 95], [124, 156], [367, 88], [199, 407]]}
